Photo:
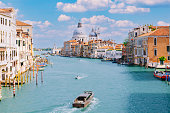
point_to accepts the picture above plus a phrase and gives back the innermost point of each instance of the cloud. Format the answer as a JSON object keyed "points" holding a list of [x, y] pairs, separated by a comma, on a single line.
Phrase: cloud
{"points": [[83, 5], [64, 18], [39, 24], [162, 23], [124, 23], [127, 9], [101, 19], [2, 5], [97, 20], [148, 2]]}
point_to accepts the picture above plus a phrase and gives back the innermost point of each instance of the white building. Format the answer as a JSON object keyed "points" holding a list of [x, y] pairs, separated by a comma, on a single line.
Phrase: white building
{"points": [[79, 34], [8, 47], [94, 35], [24, 42], [56, 50]]}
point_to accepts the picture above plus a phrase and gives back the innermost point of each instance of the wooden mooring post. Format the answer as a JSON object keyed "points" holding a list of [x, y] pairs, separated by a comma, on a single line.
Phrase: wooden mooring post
{"points": [[0, 91], [42, 76], [14, 87]]}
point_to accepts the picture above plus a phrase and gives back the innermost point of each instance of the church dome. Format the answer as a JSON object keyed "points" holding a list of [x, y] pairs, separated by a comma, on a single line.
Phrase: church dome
{"points": [[93, 33], [78, 31]]}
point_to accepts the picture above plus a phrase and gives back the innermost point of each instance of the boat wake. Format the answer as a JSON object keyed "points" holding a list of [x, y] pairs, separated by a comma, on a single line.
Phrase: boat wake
{"points": [[92, 106], [68, 108], [64, 109]]}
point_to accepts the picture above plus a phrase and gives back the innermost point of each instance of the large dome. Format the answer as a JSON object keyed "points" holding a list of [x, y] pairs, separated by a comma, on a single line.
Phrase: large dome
{"points": [[78, 31]]}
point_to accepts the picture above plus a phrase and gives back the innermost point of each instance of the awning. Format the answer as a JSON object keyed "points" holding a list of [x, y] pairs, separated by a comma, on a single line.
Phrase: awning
{"points": [[2, 49]]}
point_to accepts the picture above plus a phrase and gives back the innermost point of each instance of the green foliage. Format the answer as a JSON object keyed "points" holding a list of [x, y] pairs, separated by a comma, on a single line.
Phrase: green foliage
{"points": [[162, 58]]}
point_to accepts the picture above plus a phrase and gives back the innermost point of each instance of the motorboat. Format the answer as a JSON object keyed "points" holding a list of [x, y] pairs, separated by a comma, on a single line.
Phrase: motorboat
{"points": [[83, 100], [162, 75], [106, 59], [162, 72], [77, 77]]}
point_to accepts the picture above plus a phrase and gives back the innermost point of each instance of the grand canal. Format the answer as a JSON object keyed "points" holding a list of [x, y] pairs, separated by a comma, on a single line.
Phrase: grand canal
{"points": [[117, 88]]}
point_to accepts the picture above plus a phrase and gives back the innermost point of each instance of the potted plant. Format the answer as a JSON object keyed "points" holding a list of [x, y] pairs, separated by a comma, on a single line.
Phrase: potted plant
{"points": [[162, 59]]}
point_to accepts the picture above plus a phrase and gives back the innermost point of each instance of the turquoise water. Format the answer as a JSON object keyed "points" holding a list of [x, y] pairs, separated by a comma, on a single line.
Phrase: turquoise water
{"points": [[117, 88]]}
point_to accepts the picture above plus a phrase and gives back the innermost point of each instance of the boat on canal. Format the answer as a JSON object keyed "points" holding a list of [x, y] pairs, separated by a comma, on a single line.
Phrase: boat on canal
{"points": [[162, 72], [107, 59], [83, 100], [77, 77]]}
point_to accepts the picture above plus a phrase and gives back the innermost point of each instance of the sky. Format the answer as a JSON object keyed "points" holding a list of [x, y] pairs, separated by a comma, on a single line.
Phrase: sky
{"points": [[55, 20]]}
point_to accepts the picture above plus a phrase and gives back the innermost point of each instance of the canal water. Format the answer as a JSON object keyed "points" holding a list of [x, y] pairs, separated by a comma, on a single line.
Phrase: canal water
{"points": [[117, 88]]}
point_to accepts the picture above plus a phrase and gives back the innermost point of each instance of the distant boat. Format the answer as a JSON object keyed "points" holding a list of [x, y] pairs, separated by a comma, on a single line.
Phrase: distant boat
{"points": [[39, 69], [106, 59], [83, 100], [77, 77]]}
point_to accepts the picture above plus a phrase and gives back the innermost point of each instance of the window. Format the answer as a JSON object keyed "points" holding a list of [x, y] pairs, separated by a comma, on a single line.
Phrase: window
{"points": [[143, 29], [28, 30], [9, 22], [5, 21], [155, 41], [168, 57], [168, 48], [1, 20], [23, 43], [155, 52], [136, 34], [19, 43]]}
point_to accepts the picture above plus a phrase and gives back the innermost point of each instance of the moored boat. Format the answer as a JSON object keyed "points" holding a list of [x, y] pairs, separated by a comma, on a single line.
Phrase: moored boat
{"points": [[83, 100], [162, 72], [106, 59]]}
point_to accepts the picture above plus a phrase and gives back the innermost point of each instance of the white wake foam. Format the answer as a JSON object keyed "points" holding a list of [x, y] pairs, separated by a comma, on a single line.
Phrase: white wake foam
{"points": [[68, 108]]}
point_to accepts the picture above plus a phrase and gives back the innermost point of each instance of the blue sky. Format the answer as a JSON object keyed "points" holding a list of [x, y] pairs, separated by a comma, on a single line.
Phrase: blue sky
{"points": [[55, 20]]}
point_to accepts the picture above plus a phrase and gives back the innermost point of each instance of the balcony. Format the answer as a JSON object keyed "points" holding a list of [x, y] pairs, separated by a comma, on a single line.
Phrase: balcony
{"points": [[3, 62]]}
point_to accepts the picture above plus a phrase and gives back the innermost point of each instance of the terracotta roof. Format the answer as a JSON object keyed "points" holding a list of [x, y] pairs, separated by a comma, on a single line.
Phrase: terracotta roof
{"points": [[106, 47], [72, 41], [6, 10], [164, 31], [19, 30], [19, 23]]}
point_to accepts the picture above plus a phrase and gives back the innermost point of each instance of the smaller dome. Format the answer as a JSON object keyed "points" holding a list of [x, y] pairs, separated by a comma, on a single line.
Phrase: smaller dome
{"points": [[93, 33]]}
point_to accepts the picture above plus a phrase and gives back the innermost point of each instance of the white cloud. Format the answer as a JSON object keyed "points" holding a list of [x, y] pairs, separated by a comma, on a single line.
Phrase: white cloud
{"points": [[64, 18], [101, 19], [2, 5], [44, 25], [148, 2], [129, 9], [97, 20], [124, 23], [39, 24], [162, 23], [83, 5]]}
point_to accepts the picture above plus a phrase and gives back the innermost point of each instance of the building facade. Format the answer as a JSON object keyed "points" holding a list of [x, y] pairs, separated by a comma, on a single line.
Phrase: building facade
{"points": [[8, 47]]}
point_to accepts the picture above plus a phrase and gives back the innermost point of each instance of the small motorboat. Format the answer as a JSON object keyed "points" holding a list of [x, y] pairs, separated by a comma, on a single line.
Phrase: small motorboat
{"points": [[83, 100], [162, 75], [77, 77]]}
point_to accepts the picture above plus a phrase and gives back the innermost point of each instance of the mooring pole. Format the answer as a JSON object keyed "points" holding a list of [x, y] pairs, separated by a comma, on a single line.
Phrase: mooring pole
{"points": [[9, 82], [42, 76], [0, 91], [30, 75], [14, 87], [33, 70], [25, 76]]}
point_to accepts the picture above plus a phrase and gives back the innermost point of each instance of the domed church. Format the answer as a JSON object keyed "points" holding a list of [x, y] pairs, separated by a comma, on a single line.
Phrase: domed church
{"points": [[79, 34], [93, 35]]}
